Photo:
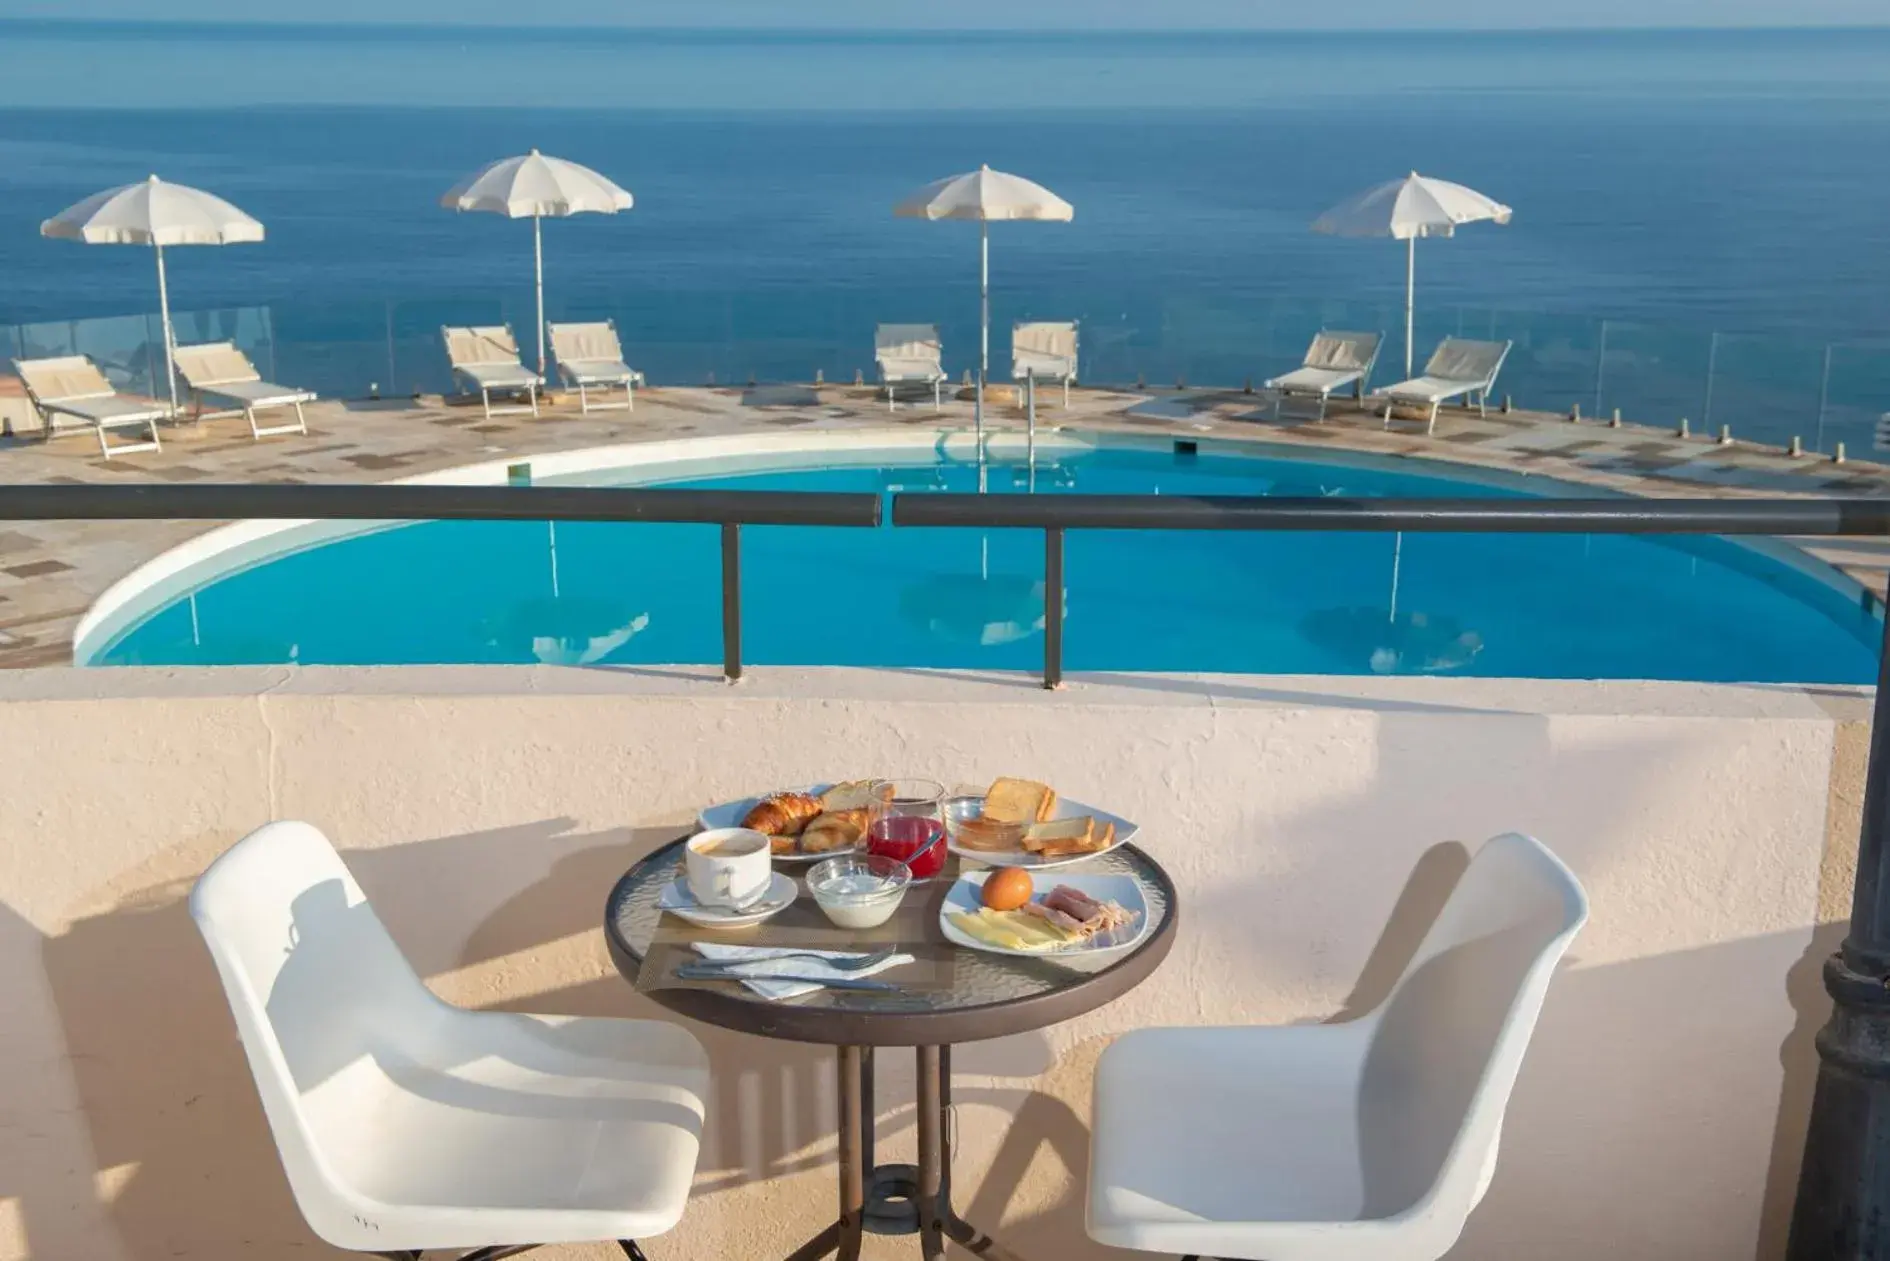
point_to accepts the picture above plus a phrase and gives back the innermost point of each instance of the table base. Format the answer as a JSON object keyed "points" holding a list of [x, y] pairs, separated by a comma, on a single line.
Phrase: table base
{"points": [[897, 1199]]}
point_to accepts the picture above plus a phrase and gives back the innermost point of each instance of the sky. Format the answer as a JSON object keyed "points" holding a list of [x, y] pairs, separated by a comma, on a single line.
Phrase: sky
{"points": [[997, 14]]}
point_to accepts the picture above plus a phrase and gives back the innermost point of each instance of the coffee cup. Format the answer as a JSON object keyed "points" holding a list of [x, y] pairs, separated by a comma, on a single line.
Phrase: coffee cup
{"points": [[729, 867]]}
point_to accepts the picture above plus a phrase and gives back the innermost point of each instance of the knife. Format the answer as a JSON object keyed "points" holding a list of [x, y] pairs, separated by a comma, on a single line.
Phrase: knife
{"points": [[694, 972]]}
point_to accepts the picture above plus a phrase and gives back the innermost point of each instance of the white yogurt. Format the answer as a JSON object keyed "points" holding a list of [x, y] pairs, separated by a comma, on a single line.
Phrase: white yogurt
{"points": [[844, 901]]}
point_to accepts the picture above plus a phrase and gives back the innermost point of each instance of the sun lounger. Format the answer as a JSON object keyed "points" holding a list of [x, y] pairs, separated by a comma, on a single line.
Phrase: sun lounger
{"points": [[1333, 361], [1457, 367], [1046, 352], [590, 356], [909, 354], [488, 358], [219, 369], [73, 386]]}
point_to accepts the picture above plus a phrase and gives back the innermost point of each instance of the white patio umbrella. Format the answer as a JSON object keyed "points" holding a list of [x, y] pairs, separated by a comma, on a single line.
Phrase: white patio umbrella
{"points": [[1405, 210], [540, 187], [157, 214], [985, 195]]}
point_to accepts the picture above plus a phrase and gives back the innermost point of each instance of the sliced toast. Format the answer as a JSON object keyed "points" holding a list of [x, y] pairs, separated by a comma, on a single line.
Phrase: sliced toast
{"points": [[1060, 839], [1022, 801]]}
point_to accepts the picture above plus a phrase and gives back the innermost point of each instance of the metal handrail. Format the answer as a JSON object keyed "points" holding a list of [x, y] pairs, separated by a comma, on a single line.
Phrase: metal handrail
{"points": [[729, 509], [1411, 516], [398, 501]]}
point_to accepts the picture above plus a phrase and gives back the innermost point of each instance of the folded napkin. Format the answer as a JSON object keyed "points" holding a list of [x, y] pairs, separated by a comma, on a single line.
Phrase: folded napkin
{"points": [[759, 961]]}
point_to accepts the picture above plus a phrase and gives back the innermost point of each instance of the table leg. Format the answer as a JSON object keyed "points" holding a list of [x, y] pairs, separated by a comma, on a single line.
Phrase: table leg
{"points": [[867, 1109], [955, 1228], [933, 1205], [852, 1155], [819, 1246]]}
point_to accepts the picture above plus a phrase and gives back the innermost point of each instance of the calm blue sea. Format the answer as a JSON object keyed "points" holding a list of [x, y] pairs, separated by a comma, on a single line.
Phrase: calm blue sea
{"points": [[1673, 184]]}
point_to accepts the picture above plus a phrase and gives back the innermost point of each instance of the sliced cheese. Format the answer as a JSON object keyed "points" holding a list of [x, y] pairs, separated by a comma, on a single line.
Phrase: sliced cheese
{"points": [[1011, 930]]}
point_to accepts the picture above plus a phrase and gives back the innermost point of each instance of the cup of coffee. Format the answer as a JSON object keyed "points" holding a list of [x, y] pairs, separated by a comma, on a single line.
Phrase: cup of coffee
{"points": [[729, 867]]}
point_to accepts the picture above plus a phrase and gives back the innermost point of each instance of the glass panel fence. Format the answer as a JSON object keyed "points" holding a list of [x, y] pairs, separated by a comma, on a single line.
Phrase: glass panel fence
{"points": [[1766, 388]]}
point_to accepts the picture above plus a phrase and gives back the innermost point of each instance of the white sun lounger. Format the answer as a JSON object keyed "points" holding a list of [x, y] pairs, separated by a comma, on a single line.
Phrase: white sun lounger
{"points": [[219, 369], [1333, 361], [1457, 367], [73, 386], [488, 358], [591, 356], [909, 354], [1045, 351]]}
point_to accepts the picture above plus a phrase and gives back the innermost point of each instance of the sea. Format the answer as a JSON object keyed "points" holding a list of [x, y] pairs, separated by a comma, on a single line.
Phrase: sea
{"points": [[1701, 229]]}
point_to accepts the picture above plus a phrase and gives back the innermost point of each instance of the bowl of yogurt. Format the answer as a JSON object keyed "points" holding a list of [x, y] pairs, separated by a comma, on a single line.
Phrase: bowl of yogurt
{"points": [[859, 890]]}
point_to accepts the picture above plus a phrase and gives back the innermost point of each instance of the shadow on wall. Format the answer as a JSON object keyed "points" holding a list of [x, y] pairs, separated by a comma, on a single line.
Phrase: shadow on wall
{"points": [[188, 1167]]}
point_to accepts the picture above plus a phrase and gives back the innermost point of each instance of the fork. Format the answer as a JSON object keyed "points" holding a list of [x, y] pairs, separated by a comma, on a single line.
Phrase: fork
{"points": [[726, 967]]}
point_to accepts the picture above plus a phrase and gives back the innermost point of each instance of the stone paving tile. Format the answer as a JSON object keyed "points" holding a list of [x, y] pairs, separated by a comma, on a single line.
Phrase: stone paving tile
{"points": [[38, 568], [367, 441]]}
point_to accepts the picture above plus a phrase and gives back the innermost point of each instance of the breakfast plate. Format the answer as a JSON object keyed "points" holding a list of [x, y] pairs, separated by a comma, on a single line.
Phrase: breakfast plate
{"points": [[1065, 809], [965, 896], [680, 902], [729, 814]]}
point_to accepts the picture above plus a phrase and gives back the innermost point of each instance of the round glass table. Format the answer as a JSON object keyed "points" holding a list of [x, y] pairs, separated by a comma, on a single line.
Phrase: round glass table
{"points": [[948, 995]]}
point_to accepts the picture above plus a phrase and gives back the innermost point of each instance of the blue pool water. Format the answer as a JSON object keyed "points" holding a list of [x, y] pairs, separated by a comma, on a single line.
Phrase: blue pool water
{"points": [[625, 594]]}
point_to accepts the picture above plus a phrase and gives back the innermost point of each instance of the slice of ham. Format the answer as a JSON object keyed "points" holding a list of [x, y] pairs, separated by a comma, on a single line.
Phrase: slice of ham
{"points": [[1055, 918], [1071, 902], [1078, 912]]}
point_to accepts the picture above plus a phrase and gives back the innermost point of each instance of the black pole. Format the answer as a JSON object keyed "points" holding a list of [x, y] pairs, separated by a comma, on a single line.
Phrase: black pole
{"points": [[1843, 1207], [732, 601], [1053, 607]]}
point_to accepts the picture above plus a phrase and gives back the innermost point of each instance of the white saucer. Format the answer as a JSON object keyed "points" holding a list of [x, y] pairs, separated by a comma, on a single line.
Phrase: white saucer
{"points": [[678, 901]]}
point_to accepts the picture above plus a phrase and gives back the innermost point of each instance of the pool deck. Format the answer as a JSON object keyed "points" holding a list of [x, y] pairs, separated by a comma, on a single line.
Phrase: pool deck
{"points": [[51, 572]]}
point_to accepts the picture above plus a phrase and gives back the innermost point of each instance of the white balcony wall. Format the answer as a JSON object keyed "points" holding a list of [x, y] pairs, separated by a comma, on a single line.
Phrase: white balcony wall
{"points": [[1312, 825]]}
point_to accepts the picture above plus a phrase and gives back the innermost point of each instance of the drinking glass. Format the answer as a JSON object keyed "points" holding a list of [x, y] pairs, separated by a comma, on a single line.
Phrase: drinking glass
{"points": [[909, 825]]}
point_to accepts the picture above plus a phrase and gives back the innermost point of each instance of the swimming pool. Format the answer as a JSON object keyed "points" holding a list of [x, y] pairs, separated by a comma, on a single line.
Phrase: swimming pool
{"points": [[1552, 606]]}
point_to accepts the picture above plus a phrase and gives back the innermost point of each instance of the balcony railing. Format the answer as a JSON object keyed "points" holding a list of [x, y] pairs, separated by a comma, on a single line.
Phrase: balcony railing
{"points": [[1763, 386]]}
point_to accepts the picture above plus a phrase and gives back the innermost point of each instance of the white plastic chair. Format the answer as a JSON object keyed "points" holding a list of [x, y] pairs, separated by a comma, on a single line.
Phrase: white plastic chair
{"points": [[405, 1123], [1369, 1140]]}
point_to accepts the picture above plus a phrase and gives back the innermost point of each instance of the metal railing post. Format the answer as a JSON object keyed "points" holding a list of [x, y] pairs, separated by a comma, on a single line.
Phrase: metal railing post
{"points": [[1843, 1197], [732, 601], [1053, 607]]}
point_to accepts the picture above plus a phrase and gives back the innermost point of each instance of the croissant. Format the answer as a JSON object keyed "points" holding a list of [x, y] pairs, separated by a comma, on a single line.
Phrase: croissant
{"points": [[837, 829], [783, 814]]}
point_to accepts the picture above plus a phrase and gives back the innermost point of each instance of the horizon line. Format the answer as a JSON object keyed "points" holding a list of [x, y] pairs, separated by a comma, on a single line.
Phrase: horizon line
{"points": [[834, 29]]}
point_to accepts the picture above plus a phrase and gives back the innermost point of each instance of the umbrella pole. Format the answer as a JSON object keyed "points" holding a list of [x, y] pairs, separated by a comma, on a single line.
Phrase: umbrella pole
{"points": [[538, 271], [984, 326], [164, 319], [1410, 297]]}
